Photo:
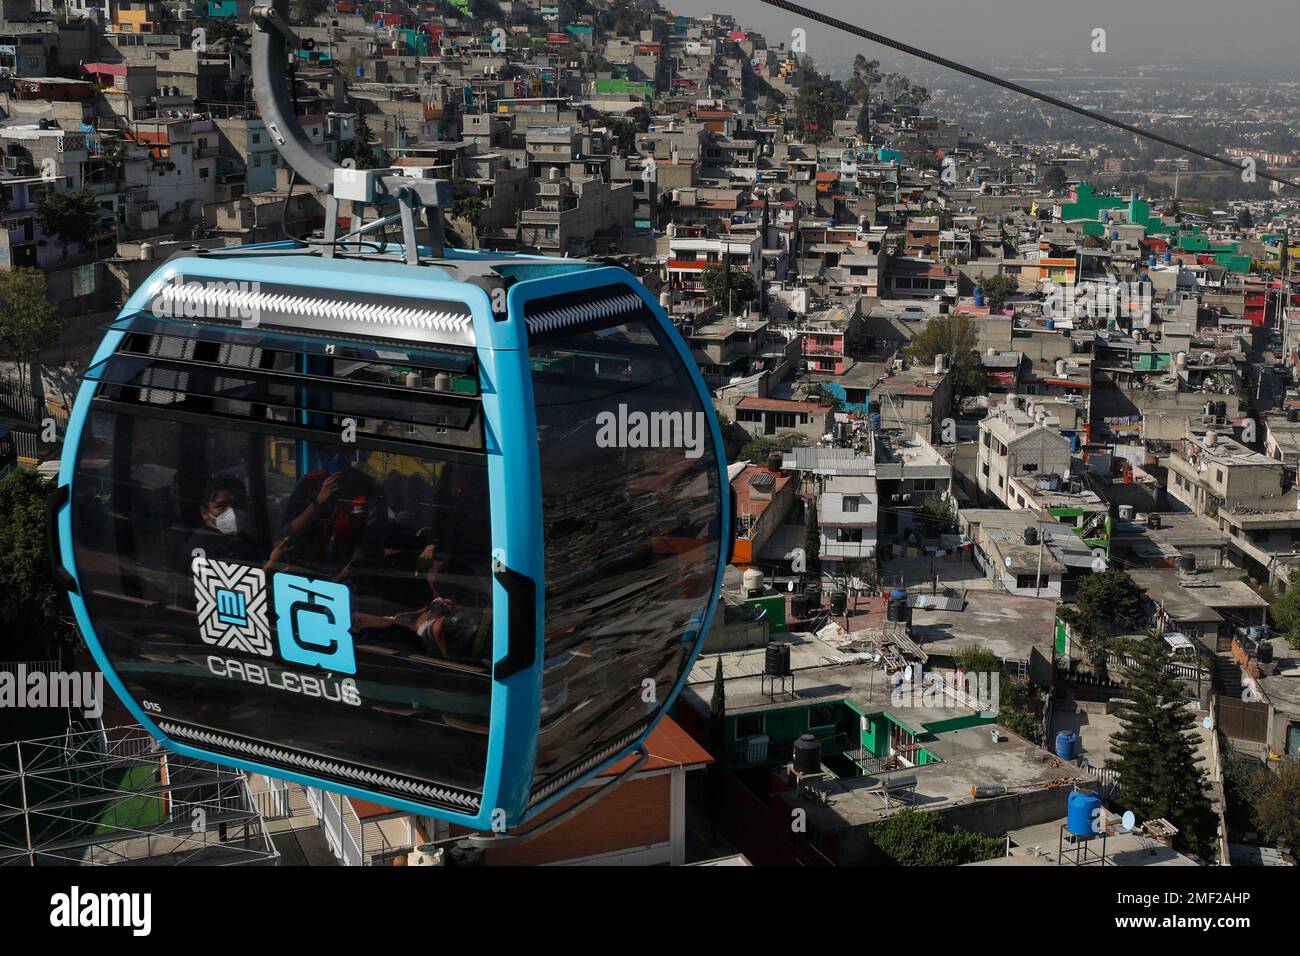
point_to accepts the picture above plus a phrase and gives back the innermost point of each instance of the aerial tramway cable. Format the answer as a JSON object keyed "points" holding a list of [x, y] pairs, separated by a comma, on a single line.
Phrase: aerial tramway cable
{"points": [[971, 71]]}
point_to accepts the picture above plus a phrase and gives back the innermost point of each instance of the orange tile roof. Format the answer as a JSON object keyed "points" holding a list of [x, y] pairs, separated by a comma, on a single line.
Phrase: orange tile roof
{"points": [[780, 405], [668, 746]]}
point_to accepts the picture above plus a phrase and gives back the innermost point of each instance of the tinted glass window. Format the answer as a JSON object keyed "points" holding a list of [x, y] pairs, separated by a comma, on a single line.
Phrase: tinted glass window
{"points": [[330, 599], [631, 513]]}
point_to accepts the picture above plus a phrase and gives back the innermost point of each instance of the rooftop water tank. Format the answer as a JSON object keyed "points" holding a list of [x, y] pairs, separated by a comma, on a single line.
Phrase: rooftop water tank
{"points": [[776, 660], [1031, 535], [1125, 512], [807, 754], [799, 606], [1066, 744], [979, 297], [1152, 260], [1060, 364], [752, 581], [1080, 811], [1051, 325], [839, 602], [774, 461]]}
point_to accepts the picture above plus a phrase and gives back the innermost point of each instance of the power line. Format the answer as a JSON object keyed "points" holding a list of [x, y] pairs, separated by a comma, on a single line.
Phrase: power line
{"points": [[834, 22]]}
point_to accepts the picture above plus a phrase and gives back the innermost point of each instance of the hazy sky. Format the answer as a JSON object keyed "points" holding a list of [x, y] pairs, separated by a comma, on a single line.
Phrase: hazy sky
{"points": [[1182, 31]]}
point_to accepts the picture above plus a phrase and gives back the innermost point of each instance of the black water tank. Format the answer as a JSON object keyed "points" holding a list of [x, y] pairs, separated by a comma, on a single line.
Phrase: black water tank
{"points": [[1221, 410], [807, 754], [774, 460], [839, 602], [1031, 535], [1264, 652], [1187, 562], [799, 607], [776, 660], [1153, 521], [898, 611], [460, 855]]}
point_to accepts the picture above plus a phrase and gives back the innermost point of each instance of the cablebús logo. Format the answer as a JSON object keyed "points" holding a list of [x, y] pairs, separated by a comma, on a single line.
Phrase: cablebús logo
{"points": [[312, 628]]}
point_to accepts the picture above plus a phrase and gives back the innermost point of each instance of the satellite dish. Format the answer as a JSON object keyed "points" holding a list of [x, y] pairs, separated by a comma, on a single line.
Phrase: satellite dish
{"points": [[1128, 821], [1008, 560], [1248, 695], [1208, 723], [907, 673], [789, 586]]}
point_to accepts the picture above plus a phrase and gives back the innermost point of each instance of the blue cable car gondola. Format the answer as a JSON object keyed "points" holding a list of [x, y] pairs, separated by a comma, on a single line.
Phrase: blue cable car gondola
{"points": [[341, 524], [445, 535]]}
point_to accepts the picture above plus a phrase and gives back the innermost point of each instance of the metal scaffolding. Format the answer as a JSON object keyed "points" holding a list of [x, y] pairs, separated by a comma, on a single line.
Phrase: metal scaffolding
{"points": [[106, 796]]}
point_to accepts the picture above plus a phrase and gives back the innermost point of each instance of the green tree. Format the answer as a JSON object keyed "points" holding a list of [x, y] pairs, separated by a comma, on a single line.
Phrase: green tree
{"points": [[977, 660], [362, 147], [29, 320], [1106, 603], [812, 541], [957, 337], [73, 216], [727, 287], [1284, 608], [1278, 808], [926, 160], [1020, 710], [938, 516], [913, 837], [31, 605], [306, 11], [817, 105], [1155, 747], [1054, 180], [997, 290], [758, 449]]}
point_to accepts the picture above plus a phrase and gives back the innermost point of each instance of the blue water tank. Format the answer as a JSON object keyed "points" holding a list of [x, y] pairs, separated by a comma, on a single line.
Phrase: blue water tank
{"points": [[1152, 260], [979, 297], [1080, 811], [1065, 744], [1114, 235], [1169, 257], [1051, 325], [898, 594]]}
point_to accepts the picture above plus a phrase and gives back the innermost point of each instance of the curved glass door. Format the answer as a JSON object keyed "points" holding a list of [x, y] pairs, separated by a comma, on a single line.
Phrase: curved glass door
{"points": [[268, 591], [631, 511]]}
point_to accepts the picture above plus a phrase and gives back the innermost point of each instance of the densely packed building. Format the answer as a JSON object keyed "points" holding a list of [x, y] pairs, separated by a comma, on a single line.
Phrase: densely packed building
{"points": [[941, 362]]}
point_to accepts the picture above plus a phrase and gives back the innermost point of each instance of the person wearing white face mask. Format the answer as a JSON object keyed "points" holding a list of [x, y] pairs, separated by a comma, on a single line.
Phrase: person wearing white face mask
{"points": [[225, 531]]}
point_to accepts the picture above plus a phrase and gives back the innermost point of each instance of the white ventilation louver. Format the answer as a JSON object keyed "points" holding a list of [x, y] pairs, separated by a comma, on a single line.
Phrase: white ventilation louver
{"points": [[582, 767], [320, 766], [251, 307], [625, 303]]}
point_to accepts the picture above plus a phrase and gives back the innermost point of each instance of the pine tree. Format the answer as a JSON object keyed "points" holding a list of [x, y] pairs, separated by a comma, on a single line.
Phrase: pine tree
{"points": [[1157, 761], [718, 702], [812, 541], [717, 746]]}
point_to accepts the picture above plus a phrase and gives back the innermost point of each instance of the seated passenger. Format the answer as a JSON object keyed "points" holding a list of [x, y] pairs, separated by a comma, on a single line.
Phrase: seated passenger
{"points": [[225, 531], [336, 515]]}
